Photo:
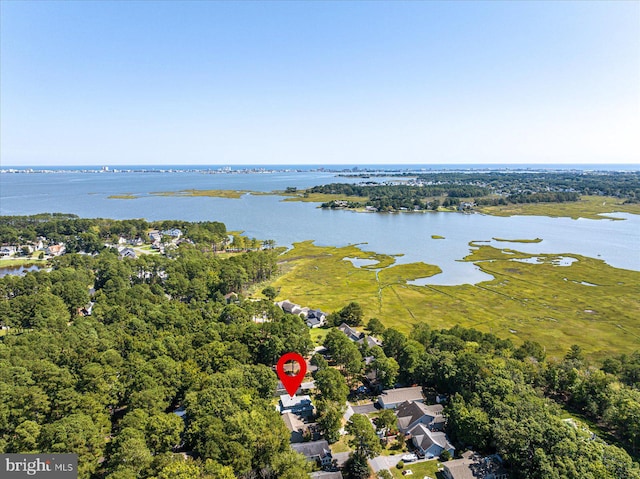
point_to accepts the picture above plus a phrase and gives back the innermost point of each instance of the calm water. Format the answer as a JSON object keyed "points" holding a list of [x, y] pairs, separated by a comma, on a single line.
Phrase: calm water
{"points": [[268, 217], [16, 270]]}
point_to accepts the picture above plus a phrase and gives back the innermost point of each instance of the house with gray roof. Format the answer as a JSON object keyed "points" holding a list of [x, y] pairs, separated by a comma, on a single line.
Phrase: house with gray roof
{"points": [[412, 413], [326, 475], [351, 333], [369, 341], [317, 451], [474, 466], [392, 398], [430, 443], [316, 318], [289, 307], [296, 427]]}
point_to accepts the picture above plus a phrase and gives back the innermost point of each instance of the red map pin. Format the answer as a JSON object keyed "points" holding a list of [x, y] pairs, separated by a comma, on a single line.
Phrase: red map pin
{"points": [[291, 383]]}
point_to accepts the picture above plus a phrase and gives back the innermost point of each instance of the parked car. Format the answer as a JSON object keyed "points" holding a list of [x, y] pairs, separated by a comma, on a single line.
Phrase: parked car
{"points": [[409, 458]]}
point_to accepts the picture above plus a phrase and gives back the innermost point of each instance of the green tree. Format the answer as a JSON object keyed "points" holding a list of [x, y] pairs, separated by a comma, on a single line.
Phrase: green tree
{"points": [[351, 314], [386, 421], [375, 327], [270, 293], [26, 437], [329, 419], [364, 441], [332, 385], [163, 431]]}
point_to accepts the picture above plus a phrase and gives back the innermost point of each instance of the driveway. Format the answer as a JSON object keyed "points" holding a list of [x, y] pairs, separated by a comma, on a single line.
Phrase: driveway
{"points": [[365, 409], [384, 462]]}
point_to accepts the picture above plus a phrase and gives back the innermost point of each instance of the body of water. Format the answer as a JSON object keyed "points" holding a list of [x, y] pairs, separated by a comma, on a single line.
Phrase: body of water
{"points": [[268, 217]]}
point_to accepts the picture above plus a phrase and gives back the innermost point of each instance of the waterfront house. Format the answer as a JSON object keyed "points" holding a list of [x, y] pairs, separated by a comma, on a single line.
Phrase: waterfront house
{"points": [[351, 333]]}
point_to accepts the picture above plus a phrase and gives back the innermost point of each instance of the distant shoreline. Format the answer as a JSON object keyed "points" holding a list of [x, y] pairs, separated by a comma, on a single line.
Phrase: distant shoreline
{"points": [[347, 168]]}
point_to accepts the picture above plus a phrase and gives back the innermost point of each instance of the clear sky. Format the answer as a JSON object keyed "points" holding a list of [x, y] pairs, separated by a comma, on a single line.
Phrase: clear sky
{"points": [[204, 82]]}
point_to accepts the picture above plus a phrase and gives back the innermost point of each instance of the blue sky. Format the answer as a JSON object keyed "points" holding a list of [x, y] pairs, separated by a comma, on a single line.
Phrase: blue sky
{"points": [[125, 82]]}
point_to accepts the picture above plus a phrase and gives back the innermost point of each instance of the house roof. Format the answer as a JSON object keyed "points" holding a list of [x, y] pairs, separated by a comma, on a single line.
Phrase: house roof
{"points": [[315, 313], [289, 402], [399, 395], [292, 422], [474, 466], [349, 331], [312, 449], [411, 411], [326, 475], [312, 321], [370, 341], [426, 438], [289, 307]]}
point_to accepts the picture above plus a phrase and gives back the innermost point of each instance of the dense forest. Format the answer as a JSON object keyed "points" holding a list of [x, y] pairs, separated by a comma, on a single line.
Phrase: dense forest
{"points": [[429, 191], [163, 333]]}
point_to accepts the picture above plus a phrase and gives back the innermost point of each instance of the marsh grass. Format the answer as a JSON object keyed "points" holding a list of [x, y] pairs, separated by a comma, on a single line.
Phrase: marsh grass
{"points": [[541, 302], [592, 207], [212, 193]]}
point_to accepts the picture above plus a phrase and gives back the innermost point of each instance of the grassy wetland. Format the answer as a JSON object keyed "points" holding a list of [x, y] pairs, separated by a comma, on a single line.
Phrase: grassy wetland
{"points": [[557, 300]]}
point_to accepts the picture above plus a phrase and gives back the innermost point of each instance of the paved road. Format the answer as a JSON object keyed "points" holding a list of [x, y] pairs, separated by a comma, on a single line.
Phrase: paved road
{"points": [[384, 462]]}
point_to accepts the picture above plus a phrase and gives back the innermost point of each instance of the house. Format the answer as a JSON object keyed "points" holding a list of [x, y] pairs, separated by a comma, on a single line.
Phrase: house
{"points": [[135, 242], [412, 413], [8, 250], [316, 318], [369, 341], [351, 333], [392, 398], [326, 475], [86, 310], [173, 232], [315, 451], [430, 443], [127, 253], [296, 427], [289, 307], [155, 235], [300, 405], [55, 250], [474, 466]]}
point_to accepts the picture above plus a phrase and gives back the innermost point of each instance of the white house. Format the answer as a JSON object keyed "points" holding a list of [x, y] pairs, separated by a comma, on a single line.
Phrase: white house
{"points": [[300, 405], [430, 443], [318, 451]]}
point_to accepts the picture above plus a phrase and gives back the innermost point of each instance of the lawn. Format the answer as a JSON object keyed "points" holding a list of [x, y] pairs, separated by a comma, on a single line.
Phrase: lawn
{"points": [[26, 261], [342, 445], [588, 303], [318, 335], [419, 469]]}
